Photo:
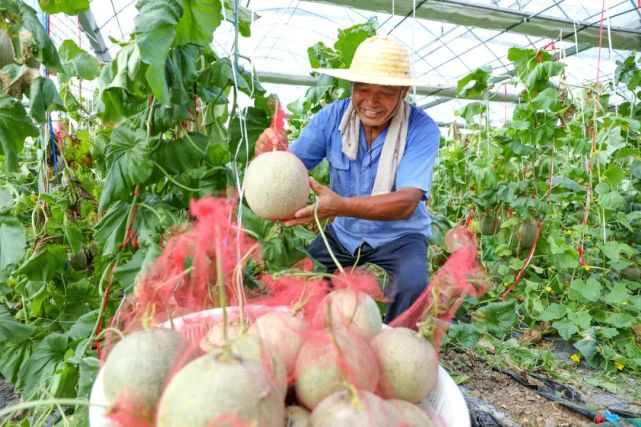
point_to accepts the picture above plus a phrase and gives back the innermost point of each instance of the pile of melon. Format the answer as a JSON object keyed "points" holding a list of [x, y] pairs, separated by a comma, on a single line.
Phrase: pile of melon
{"points": [[340, 366]]}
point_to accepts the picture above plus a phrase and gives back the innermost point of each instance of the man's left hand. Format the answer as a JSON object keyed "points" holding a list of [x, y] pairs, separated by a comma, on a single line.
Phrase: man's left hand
{"points": [[329, 205]]}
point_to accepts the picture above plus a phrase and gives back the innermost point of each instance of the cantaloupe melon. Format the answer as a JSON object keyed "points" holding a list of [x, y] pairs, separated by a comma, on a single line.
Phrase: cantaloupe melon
{"points": [[283, 333], [138, 367], [413, 415], [219, 389], [329, 359], [366, 409], [408, 364], [350, 309], [276, 185]]}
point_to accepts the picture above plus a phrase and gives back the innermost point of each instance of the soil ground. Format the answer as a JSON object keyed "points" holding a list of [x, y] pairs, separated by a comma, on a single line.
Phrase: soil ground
{"points": [[520, 405]]}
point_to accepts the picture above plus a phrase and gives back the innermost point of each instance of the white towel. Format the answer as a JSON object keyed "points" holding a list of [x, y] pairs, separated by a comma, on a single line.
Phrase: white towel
{"points": [[393, 147]]}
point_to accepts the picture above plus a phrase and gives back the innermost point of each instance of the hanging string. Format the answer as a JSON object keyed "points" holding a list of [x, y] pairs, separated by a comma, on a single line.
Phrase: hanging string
{"points": [[586, 211]]}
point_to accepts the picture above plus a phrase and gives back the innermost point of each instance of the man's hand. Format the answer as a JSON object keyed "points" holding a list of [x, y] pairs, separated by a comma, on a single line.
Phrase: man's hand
{"points": [[270, 140], [330, 205]]}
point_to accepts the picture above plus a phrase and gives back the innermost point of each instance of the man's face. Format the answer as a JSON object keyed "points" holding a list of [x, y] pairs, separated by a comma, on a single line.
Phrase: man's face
{"points": [[376, 104]]}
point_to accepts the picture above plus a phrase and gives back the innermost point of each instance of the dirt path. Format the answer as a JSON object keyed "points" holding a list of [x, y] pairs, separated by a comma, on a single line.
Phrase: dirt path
{"points": [[520, 405]]}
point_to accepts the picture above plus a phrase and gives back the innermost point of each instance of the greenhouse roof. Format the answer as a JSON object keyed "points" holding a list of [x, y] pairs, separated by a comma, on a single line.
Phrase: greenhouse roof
{"points": [[448, 39]]}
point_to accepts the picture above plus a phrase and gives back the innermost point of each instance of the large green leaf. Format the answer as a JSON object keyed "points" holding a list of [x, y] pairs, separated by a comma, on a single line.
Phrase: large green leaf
{"points": [[475, 83], [15, 127], [44, 98], [128, 164], [199, 20], [350, 38], [12, 241], [553, 312], [41, 46], [155, 30], [110, 231], [46, 264], [498, 318], [68, 7], [43, 362], [123, 88], [180, 155], [73, 235], [589, 291], [77, 62], [12, 330], [256, 121]]}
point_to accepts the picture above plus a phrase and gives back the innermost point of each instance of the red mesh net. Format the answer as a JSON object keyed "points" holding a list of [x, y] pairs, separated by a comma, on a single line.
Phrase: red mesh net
{"points": [[314, 337]]}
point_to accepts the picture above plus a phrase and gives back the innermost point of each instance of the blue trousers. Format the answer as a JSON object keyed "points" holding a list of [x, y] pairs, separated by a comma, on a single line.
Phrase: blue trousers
{"points": [[404, 259]]}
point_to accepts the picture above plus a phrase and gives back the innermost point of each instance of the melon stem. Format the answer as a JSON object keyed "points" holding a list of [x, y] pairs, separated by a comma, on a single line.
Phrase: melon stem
{"points": [[322, 234]]}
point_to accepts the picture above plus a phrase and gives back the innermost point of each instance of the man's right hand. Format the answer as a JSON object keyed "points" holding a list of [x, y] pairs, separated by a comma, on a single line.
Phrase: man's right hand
{"points": [[269, 140]]}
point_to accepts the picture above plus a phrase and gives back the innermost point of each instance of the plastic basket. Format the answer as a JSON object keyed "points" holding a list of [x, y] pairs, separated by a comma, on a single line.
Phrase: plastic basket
{"points": [[446, 400]]}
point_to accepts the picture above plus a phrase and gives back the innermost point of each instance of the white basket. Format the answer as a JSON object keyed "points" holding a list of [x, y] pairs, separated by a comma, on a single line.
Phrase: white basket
{"points": [[446, 400]]}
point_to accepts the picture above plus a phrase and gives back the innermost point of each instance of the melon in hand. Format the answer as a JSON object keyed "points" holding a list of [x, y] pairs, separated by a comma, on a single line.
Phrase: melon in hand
{"points": [[276, 185]]}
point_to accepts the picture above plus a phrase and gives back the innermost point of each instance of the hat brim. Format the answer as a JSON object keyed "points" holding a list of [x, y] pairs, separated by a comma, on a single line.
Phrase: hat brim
{"points": [[354, 76]]}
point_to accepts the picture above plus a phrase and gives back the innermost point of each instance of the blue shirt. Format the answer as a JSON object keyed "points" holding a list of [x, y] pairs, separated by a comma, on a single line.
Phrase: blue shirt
{"points": [[321, 138]]}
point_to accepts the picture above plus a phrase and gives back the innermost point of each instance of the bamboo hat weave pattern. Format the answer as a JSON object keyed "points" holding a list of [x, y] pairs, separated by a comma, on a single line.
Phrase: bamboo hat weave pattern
{"points": [[378, 60]]}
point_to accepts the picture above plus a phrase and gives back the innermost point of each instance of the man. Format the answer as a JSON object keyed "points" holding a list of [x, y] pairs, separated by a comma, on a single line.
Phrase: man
{"points": [[381, 153]]}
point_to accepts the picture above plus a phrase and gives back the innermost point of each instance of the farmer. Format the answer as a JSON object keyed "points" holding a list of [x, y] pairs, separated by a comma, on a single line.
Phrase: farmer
{"points": [[381, 153]]}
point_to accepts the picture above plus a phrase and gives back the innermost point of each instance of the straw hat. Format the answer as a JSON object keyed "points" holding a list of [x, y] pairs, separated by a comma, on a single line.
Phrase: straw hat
{"points": [[378, 60]]}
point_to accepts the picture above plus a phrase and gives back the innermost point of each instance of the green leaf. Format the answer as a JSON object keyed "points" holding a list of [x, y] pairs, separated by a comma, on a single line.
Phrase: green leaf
{"points": [[350, 38], [11, 330], [565, 328], [475, 83], [581, 319], [46, 264], [39, 43], [6, 200], [615, 174], [68, 7], [15, 127], [589, 291], [463, 334], [617, 295], [498, 318], [110, 231], [73, 234], [13, 241], [588, 349], [611, 201], [471, 110], [12, 357], [256, 121], [568, 183], [44, 361], [44, 99], [553, 312], [77, 62], [180, 155], [128, 164], [548, 100], [83, 327], [199, 20], [155, 31]]}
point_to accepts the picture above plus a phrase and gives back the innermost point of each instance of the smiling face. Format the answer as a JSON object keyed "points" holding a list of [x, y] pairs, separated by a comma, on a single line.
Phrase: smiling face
{"points": [[376, 104]]}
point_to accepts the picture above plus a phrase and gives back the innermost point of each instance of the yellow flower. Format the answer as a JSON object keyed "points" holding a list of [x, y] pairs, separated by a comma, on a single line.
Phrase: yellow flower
{"points": [[548, 289], [576, 358], [625, 303], [568, 232], [619, 365], [586, 267]]}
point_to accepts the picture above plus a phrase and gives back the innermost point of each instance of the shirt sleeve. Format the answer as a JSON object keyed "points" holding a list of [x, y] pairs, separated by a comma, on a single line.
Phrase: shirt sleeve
{"points": [[311, 145], [417, 164]]}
